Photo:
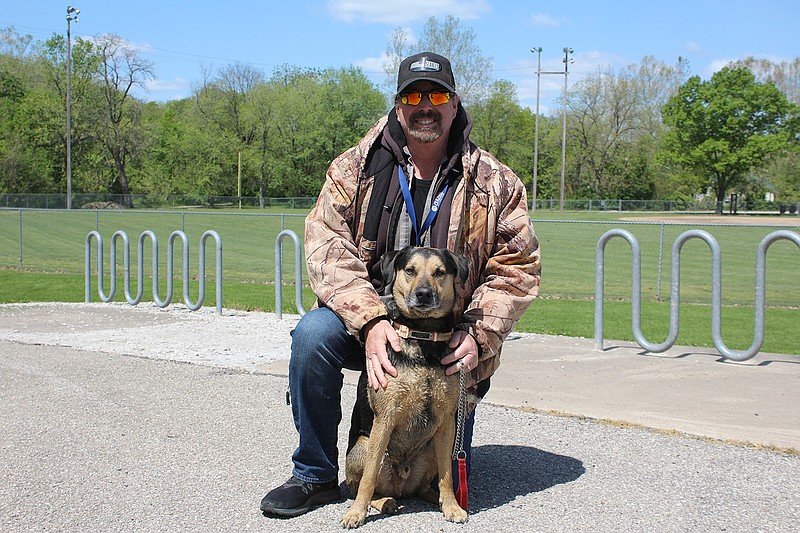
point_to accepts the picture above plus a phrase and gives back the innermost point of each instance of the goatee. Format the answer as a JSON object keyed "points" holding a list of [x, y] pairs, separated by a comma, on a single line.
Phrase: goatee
{"points": [[427, 133]]}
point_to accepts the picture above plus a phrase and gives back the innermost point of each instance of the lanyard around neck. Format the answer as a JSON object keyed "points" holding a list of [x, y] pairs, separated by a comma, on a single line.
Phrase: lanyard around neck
{"points": [[437, 202]]}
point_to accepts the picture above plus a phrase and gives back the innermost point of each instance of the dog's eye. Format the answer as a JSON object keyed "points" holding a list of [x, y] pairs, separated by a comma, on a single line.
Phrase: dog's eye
{"points": [[410, 271], [439, 273]]}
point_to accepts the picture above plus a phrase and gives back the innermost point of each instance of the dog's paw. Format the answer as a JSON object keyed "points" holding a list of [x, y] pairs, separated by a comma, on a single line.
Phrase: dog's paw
{"points": [[354, 518], [386, 505], [454, 513]]}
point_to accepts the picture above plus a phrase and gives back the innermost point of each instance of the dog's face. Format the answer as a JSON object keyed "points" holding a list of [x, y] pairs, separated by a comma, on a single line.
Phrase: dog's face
{"points": [[423, 280]]}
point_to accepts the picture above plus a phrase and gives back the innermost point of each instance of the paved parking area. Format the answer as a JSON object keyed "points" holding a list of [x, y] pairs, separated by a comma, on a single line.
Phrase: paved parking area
{"points": [[98, 440]]}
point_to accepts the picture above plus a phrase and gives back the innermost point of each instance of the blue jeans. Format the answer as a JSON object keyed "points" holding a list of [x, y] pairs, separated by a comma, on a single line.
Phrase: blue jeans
{"points": [[321, 348]]}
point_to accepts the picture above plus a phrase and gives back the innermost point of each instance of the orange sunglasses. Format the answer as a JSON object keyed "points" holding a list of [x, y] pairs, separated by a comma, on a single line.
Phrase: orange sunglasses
{"points": [[415, 97]]}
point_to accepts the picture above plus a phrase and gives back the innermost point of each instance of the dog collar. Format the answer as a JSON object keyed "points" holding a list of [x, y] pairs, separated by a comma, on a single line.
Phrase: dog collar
{"points": [[434, 336]]}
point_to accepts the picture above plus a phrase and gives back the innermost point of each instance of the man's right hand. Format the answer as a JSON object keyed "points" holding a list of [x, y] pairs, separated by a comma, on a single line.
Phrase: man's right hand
{"points": [[377, 335]]}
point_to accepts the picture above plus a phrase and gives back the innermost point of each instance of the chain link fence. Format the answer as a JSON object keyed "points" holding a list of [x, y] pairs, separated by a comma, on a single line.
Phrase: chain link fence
{"points": [[54, 241], [106, 201], [148, 201]]}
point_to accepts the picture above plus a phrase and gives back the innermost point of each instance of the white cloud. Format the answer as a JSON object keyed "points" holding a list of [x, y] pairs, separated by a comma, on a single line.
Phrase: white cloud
{"points": [[694, 48], [382, 12], [373, 67], [542, 20], [164, 90], [177, 84], [593, 60], [717, 65]]}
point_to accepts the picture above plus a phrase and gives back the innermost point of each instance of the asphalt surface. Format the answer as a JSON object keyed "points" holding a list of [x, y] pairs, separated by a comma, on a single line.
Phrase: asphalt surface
{"points": [[97, 441]]}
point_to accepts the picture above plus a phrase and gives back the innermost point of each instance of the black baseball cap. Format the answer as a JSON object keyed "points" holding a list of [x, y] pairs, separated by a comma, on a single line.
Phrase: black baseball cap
{"points": [[426, 66]]}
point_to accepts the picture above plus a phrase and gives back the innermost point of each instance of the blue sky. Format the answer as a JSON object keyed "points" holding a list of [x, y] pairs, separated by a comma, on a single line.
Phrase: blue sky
{"points": [[183, 38]]}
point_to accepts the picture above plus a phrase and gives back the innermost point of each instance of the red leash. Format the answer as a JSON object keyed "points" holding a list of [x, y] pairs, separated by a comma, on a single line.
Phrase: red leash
{"points": [[458, 446], [462, 492]]}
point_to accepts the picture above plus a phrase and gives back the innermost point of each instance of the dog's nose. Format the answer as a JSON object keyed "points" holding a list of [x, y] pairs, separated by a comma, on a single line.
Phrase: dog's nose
{"points": [[424, 295]]}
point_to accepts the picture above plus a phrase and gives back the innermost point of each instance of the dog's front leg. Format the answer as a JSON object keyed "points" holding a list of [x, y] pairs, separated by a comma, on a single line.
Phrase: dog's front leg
{"points": [[443, 445], [376, 448]]}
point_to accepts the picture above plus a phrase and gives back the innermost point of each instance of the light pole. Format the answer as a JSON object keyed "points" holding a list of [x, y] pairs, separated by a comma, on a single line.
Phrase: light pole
{"points": [[72, 14], [567, 61], [536, 128], [539, 72]]}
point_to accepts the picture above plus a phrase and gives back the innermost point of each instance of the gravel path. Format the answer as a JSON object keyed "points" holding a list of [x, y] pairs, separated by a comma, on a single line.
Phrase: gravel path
{"points": [[236, 339]]}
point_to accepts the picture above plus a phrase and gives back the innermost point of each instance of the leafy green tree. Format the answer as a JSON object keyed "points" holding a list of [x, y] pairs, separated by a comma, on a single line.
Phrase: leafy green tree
{"points": [[784, 75], [13, 44], [263, 106], [175, 153], [504, 128], [724, 127], [120, 70], [229, 106], [27, 138], [614, 129], [317, 115], [12, 160], [89, 161], [287, 128], [781, 171]]}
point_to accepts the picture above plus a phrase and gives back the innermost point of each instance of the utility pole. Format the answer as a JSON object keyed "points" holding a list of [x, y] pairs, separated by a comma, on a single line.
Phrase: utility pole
{"points": [[539, 72], [72, 14]]}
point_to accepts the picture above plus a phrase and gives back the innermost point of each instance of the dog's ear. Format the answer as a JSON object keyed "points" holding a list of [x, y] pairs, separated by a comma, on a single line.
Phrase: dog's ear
{"points": [[460, 264], [387, 270]]}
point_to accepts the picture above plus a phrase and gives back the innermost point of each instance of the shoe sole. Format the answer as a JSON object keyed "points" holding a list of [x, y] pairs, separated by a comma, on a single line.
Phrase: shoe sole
{"points": [[321, 498]]}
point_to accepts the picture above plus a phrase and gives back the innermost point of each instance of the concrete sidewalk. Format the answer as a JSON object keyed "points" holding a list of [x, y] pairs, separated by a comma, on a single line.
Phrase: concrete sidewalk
{"points": [[689, 390]]}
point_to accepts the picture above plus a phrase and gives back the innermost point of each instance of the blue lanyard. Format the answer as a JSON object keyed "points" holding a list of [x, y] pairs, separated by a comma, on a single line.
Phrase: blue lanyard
{"points": [[437, 202]]}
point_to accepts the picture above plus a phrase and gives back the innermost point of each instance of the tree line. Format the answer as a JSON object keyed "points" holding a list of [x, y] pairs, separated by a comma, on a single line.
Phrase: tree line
{"points": [[646, 132]]}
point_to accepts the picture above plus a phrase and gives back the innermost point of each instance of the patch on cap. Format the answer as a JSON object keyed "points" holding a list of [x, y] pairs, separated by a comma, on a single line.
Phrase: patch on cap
{"points": [[425, 65]]}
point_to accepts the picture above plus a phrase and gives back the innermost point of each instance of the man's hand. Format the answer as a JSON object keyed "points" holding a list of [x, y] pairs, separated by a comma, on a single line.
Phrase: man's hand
{"points": [[465, 352], [377, 335]]}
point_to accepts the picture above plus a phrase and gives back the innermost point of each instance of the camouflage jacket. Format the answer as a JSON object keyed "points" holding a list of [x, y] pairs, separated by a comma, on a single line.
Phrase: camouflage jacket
{"points": [[488, 223]]}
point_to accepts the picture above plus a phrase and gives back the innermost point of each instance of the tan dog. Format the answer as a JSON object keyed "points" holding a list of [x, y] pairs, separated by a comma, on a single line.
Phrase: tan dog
{"points": [[401, 437]]}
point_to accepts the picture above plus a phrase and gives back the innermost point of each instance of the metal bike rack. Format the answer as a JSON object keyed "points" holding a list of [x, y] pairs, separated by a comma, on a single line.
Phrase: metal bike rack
{"points": [[298, 273], [134, 300], [674, 315]]}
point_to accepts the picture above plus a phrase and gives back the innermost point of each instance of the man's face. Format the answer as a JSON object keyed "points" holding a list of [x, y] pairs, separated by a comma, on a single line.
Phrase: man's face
{"points": [[425, 122]]}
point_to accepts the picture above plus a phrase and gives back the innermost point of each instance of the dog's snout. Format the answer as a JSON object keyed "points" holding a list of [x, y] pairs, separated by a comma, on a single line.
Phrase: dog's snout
{"points": [[424, 294], [424, 297]]}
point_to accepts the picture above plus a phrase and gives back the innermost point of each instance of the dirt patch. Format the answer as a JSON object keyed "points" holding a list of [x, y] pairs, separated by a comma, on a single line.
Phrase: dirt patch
{"points": [[744, 220], [102, 205]]}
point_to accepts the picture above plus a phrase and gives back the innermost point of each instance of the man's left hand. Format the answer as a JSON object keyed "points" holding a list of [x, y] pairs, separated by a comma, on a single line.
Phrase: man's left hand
{"points": [[465, 352]]}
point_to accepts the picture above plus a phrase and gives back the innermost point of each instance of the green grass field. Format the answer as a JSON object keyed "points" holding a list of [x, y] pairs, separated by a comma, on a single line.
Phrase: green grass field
{"points": [[49, 266]]}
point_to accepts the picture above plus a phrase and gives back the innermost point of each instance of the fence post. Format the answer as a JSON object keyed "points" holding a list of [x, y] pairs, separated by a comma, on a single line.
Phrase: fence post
{"points": [[660, 262], [20, 238]]}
